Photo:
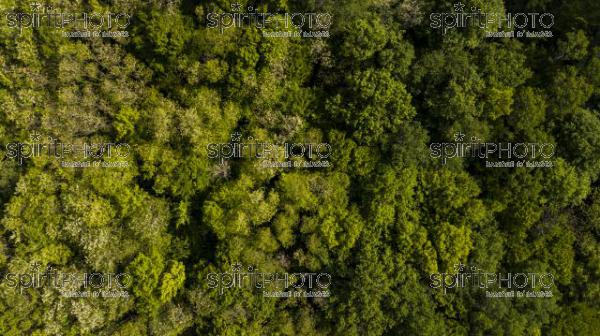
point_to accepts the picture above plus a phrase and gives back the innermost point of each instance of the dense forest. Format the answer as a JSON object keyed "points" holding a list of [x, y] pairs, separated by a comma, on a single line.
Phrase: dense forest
{"points": [[172, 152]]}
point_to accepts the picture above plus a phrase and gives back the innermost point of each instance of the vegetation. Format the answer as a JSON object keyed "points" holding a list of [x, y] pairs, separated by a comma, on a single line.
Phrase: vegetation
{"points": [[380, 219]]}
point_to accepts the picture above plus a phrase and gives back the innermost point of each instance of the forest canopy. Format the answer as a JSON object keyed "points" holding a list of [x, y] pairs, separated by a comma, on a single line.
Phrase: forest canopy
{"points": [[158, 157]]}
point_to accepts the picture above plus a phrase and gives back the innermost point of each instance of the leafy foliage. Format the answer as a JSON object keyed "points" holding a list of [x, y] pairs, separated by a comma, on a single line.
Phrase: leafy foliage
{"points": [[381, 219]]}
